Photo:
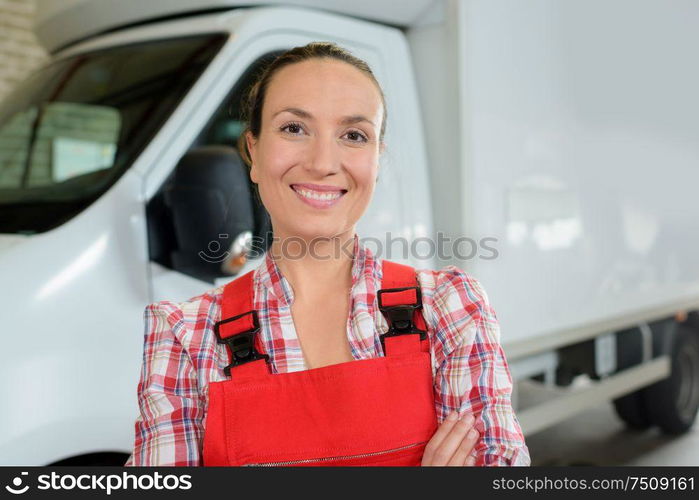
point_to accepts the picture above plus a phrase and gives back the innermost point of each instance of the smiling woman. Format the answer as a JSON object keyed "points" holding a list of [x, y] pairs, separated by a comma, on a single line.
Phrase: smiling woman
{"points": [[325, 357]]}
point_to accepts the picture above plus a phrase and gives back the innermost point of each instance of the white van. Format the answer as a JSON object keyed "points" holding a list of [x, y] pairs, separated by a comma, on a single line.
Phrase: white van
{"points": [[120, 186]]}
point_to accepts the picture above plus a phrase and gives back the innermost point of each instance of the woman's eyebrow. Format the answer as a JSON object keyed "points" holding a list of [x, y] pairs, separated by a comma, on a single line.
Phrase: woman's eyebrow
{"points": [[294, 111], [347, 120]]}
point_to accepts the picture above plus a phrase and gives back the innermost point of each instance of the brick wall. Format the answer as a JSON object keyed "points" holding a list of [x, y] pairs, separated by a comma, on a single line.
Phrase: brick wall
{"points": [[20, 52]]}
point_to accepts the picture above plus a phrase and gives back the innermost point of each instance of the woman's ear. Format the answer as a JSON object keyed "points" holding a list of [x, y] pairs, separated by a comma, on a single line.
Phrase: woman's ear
{"points": [[252, 151]]}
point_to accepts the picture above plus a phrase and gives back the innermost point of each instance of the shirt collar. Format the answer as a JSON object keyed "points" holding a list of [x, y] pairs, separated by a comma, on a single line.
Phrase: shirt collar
{"points": [[270, 276]]}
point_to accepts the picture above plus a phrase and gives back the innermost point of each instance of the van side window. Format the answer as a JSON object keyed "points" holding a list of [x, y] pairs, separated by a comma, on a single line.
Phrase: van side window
{"points": [[184, 223]]}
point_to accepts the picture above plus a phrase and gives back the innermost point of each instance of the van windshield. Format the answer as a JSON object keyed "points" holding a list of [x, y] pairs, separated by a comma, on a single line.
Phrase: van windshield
{"points": [[75, 126]]}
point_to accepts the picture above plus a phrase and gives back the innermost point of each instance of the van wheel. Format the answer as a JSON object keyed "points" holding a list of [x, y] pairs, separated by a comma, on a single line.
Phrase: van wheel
{"points": [[672, 403], [94, 459], [631, 409]]}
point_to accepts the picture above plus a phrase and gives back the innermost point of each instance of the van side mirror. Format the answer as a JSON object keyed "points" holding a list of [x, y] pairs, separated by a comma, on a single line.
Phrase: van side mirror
{"points": [[210, 221]]}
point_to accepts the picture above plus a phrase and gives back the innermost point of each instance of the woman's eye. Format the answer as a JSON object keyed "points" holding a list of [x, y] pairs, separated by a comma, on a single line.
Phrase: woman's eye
{"points": [[355, 136], [292, 128]]}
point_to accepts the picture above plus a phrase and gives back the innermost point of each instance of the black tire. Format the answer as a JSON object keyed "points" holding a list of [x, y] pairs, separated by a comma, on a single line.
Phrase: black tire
{"points": [[672, 403], [94, 459], [632, 410]]}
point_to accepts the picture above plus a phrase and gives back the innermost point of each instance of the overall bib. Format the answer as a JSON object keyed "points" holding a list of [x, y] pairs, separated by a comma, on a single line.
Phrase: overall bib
{"points": [[370, 412]]}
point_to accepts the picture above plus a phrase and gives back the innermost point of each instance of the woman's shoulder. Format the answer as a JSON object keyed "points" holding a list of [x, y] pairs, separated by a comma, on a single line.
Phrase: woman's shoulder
{"points": [[179, 338], [185, 318], [457, 305], [452, 282]]}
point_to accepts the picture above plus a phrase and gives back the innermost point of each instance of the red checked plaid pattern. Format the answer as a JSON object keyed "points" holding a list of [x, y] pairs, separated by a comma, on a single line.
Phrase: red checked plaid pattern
{"points": [[181, 356]]}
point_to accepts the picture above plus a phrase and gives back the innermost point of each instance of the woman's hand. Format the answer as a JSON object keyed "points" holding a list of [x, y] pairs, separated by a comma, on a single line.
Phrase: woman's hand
{"points": [[453, 442]]}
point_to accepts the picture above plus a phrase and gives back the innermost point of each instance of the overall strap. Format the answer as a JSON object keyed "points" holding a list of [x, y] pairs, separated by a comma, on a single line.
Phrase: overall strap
{"points": [[400, 301], [239, 327]]}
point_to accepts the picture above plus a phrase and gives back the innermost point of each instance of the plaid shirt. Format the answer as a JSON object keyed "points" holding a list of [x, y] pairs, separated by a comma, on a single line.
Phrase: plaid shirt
{"points": [[181, 357]]}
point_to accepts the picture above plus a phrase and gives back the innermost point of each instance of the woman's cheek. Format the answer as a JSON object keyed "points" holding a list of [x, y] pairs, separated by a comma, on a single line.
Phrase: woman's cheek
{"points": [[364, 171], [280, 154]]}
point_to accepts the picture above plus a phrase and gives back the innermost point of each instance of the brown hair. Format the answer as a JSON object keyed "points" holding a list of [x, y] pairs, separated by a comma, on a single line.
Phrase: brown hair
{"points": [[253, 102]]}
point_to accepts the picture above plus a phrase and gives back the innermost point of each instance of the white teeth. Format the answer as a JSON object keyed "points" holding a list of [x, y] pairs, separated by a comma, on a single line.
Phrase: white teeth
{"points": [[317, 195]]}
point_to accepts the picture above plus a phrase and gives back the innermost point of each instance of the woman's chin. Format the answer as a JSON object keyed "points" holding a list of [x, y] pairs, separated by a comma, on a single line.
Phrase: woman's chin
{"points": [[315, 230]]}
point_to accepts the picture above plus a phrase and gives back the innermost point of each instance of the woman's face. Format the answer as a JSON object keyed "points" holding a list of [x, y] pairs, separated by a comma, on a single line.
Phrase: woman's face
{"points": [[316, 158]]}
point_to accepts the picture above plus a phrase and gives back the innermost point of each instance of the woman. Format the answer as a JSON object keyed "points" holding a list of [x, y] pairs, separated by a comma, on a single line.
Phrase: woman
{"points": [[320, 356]]}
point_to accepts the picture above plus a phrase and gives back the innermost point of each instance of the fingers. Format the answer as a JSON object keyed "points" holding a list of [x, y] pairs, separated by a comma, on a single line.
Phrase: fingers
{"points": [[442, 432], [464, 453], [447, 441]]}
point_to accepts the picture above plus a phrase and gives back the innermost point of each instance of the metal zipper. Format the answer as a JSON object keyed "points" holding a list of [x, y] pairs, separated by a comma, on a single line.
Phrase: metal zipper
{"points": [[329, 459]]}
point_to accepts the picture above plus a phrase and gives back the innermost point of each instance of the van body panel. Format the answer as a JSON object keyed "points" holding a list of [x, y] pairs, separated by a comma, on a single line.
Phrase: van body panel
{"points": [[73, 317], [570, 151], [61, 23]]}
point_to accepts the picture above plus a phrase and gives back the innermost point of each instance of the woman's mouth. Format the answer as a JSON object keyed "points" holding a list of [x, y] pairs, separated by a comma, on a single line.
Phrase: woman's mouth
{"points": [[318, 196]]}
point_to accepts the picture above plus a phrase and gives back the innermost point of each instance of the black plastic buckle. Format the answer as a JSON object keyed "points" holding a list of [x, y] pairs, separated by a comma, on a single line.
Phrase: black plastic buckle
{"points": [[400, 318], [241, 345]]}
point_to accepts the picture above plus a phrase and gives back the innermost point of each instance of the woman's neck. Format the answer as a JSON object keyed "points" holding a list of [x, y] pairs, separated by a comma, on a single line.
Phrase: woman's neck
{"points": [[315, 267]]}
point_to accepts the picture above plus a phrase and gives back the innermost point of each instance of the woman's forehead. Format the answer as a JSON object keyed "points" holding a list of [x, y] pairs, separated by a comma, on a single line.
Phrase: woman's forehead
{"points": [[321, 86]]}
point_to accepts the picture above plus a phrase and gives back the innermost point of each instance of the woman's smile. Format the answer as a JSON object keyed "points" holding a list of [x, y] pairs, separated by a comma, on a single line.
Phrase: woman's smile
{"points": [[318, 196]]}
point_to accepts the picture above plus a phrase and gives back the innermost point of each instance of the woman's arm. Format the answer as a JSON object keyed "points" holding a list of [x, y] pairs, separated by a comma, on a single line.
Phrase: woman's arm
{"points": [[473, 375], [169, 429]]}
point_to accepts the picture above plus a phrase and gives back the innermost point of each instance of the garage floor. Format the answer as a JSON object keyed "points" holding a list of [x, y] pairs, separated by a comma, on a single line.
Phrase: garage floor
{"points": [[598, 437]]}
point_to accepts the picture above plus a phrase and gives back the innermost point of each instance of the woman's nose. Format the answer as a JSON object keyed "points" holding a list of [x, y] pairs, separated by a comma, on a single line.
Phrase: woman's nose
{"points": [[324, 156]]}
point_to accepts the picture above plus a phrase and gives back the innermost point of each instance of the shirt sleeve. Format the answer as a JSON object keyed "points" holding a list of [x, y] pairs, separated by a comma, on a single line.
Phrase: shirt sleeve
{"points": [[472, 375], [169, 428]]}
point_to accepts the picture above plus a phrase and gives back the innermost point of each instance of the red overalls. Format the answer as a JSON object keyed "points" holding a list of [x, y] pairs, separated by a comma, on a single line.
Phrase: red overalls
{"points": [[377, 411]]}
